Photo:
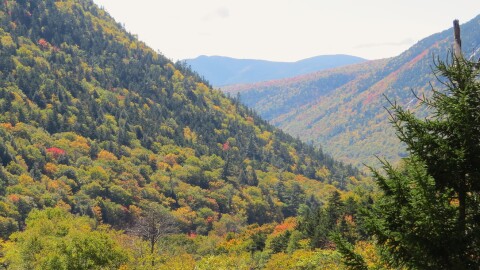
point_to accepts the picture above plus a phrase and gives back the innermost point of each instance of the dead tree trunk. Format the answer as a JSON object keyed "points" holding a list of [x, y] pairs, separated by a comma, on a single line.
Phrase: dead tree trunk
{"points": [[457, 46]]}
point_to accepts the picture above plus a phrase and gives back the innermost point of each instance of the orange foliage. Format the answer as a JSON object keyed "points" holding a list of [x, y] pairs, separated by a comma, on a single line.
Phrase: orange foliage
{"points": [[349, 220], [162, 166], [213, 203], [288, 224], [210, 219], [170, 159], [52, 185], [454, 202], [97, 213], [14, 198], [7, 126], [43, 44]]}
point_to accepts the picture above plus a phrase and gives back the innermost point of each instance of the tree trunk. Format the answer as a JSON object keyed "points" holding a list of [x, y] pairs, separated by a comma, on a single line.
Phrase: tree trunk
{"points": [[152, 250], [458, 42]]}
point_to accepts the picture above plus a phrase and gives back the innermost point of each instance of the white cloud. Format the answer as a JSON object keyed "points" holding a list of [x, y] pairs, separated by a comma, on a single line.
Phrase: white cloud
{"points": [[220, 13]]}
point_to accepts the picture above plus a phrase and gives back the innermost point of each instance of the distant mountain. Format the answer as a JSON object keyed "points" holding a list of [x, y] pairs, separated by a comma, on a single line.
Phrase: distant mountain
{"points": [[342, 109], [220, 70]]}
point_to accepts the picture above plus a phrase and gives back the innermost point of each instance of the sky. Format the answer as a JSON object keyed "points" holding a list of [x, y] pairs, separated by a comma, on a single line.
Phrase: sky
{"points": [[286, 30]]}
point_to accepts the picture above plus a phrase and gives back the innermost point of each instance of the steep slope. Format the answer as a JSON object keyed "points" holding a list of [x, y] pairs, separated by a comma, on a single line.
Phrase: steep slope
{"points": [[342, 109], [95, 122], [220, 70]]}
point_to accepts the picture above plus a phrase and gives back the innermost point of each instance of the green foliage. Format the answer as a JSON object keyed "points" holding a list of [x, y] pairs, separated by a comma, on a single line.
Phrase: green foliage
{"points": [[280, 242], [55, 239], [352, 260], [428, 215], [413, 220], [319, 224], [103, 121], [94, 122], [257, 242]]}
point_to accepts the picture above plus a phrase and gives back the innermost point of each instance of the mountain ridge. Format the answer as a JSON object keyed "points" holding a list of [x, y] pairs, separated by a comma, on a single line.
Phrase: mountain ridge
{"points": [[222, 70], [349, 121]]}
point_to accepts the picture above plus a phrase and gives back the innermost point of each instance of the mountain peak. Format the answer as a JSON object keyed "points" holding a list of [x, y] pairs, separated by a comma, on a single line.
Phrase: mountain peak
{"points": [[222, 70]]}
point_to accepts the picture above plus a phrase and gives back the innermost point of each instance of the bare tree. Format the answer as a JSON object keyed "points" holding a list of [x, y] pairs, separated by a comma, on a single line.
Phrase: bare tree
{"points": [[154, 223]]}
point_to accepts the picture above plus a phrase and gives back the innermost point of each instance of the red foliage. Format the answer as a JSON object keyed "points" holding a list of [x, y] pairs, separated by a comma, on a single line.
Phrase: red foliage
{"points": [[210, 219], [192, 234], [43, 43], [56, 152], [226, 146]]}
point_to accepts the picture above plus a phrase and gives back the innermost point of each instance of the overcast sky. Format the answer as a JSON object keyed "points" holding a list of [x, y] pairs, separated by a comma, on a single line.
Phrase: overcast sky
{"points": [[286, 30]]}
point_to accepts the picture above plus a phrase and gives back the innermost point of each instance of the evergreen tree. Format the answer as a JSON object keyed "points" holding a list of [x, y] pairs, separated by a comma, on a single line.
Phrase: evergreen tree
{"points": [[429, 214]]}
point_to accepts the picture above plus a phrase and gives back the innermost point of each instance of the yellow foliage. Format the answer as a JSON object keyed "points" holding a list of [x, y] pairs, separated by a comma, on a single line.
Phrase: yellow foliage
{"points": [[179, 262], [322, 173], [50, 168], [72, 120], [83, 147], [202, 88], [177, 76], [133, 46], [25, 179], [105, 155], [242, 261], [306, 259], [185, 215], [162, 166], [135, 211], [110, 119], [189, 135], [7, 41], [61, 204], [368, 251], [353, 180]]}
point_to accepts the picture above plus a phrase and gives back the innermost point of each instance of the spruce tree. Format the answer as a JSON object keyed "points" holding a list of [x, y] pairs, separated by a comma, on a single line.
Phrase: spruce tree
{"points": [[429, 214]]}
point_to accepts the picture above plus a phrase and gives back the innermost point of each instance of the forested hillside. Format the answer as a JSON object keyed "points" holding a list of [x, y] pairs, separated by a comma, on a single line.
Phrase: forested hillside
{"points": [[342, 109], [99, 132]]}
